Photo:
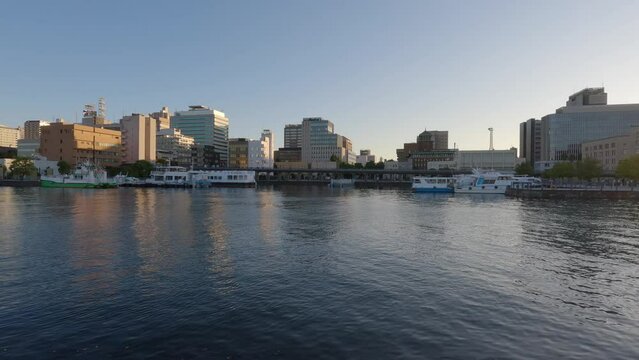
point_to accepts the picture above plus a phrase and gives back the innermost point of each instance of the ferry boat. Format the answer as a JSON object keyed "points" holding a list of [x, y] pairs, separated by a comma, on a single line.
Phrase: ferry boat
{"points": [[176, 176], [85, 176], [433, 184], [484, 183]]}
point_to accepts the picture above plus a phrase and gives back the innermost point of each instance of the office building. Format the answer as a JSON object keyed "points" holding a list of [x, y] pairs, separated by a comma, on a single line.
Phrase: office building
{"points": [[530, 140], [421, 159], [467, 160], [288, 155], [238, 157], [174, 147], [9, 136], [28, 147], [267, 135], [32, 129], [427, 140], [139, 136], [586, 117], [204, 156], [320, 143], [257, 154], [293, 136], [75, 143], [610, 151], [206, 126]]}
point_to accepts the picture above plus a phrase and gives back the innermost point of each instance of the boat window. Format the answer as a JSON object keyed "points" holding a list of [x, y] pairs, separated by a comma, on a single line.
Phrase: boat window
{"points": [[496, 187], [169, 177], [230, 177], [417, 181]]}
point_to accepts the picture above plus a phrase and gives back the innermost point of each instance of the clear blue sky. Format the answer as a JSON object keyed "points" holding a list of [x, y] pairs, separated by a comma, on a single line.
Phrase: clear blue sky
{"points": [[382, 71]]}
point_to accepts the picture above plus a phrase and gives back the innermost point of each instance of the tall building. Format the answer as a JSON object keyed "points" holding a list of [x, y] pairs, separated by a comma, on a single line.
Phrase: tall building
{"points": [[267, 135], [427, 140], [238, 153], [206, 126], [293, 136], [259, 156], [320, 143], [32, 129], [163, 118], [586, 117], [9, 136], [174, 147], [139, 134], [530, 140], [75, 143]]}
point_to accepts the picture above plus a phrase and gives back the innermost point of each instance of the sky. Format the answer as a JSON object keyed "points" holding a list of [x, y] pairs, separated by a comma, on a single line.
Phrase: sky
{"points": [[382, 71]]}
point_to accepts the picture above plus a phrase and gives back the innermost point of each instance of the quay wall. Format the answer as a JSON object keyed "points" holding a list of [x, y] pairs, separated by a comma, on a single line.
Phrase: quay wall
{"points": [[370, 184], [20, 183], [573, 194]]}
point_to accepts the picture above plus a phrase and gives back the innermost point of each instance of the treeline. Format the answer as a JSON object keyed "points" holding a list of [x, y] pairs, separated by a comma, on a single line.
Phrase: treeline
{"points": [[140, 169], [586, 169]]}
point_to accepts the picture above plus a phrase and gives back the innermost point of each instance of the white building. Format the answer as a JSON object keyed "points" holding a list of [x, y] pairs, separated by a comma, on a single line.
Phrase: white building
{"points": [[9, 136], [364, 157], [499, 160], [174, 147]]}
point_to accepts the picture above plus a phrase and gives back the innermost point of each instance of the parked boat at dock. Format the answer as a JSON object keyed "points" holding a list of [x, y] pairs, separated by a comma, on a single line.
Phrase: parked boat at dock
{"points": [[86, 176], [175, 176], [433, 184]]}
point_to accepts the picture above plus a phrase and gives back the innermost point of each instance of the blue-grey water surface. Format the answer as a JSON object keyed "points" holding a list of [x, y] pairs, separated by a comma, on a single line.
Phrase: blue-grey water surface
{"points": [[309, 272]]}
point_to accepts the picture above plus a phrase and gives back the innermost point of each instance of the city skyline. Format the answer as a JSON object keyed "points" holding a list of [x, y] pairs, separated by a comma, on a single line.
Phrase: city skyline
{"points": [[382, 71]]}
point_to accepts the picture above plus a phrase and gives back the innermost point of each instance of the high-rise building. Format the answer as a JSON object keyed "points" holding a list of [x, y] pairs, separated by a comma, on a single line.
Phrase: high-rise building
{"points": [[320, 143], [238, 153], [530, 140], [138, 138], [174, 147], [32, 129], [163, 118], [75, 143], [586, 117], [9, 136], [293, 136], [269, 155], [206, 126]]}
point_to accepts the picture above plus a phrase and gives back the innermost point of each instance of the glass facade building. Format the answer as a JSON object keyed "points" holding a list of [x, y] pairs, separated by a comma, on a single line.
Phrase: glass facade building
{"points": [[206, 126]]}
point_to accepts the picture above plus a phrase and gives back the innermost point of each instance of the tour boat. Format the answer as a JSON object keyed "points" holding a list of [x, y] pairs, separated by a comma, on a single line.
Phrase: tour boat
{"points": [[479, 182], [176, 176], [433, 184], [85, 175]]}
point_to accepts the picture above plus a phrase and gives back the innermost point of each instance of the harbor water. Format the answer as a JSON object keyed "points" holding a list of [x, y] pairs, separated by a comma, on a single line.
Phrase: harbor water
{"points": [[315, 272]]}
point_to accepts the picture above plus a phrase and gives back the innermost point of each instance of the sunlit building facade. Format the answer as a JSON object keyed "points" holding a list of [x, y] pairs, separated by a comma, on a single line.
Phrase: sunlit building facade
{"points": [[206, 126]]}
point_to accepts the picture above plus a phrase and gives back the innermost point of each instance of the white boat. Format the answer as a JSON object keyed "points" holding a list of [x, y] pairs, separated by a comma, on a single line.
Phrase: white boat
{"points": [[85, 175], [433, 184], [479, 182], [180, 176]]}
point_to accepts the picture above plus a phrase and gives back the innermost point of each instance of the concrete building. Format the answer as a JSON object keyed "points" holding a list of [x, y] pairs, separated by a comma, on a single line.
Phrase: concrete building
{"points": [[32, 129], [163, 118], [238, 153], [139, 137], [204, 156], [288, 155], [75, 143], [530, 140], [586, 117], [270, 150], [465, 160], [293, 136], [9, 136], [427, 140], [610, 151], [421, 159], [174, 147], [320, 143], [364, 157], [206, 126], [258, 154]]}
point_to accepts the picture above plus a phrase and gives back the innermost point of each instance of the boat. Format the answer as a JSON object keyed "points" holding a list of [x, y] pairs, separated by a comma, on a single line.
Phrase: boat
{"points": [[479, 182], [427, 184], [86, 176], [176, 176]]}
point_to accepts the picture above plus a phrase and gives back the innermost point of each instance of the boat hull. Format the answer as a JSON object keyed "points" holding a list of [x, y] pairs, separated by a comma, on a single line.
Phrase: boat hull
{"points": [[478, 190], [433, 190], [75, 185]]}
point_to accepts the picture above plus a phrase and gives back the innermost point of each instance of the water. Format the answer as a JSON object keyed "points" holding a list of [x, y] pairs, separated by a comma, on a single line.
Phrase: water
{"points": [[314, 273]]}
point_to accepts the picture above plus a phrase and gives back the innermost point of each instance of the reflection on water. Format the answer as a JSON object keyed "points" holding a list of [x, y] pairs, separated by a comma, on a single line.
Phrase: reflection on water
{"points": [[306, 272]]}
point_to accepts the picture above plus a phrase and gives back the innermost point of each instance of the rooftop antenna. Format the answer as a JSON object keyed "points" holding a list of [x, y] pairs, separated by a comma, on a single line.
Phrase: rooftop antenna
{"points": [[101, 108], [491, 139]]}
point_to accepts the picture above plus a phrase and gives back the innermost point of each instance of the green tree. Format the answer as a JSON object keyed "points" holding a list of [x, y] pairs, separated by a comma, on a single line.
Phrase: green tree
{"points": [[588, 169], [143, 168], [161, 162], [370, 165], [64, 167], [21, 167], [524, 169], [629, 168], [334, 158], [561, 170]]}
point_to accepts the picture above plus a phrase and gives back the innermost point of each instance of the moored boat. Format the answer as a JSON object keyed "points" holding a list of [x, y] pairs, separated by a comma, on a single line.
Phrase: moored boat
{"points": [[479, 182], [433, 184], [85, 176]]}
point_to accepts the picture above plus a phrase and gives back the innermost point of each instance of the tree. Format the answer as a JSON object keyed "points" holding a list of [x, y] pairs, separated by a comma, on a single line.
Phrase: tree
{"points": [[161, 162], [524, 169], [21, 167], [334, 158], [64, 167], [143, 168], [561, 170], [588, 169], [629, 168], [370, 165]]}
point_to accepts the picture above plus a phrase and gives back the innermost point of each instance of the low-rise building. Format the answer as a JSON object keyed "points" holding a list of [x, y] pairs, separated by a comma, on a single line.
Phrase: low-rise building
{"points": [[75, 143], [9, 136], [364, 157], [238, 153], [611, 150], [465, 160], [28, 147], [204, 156]]}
